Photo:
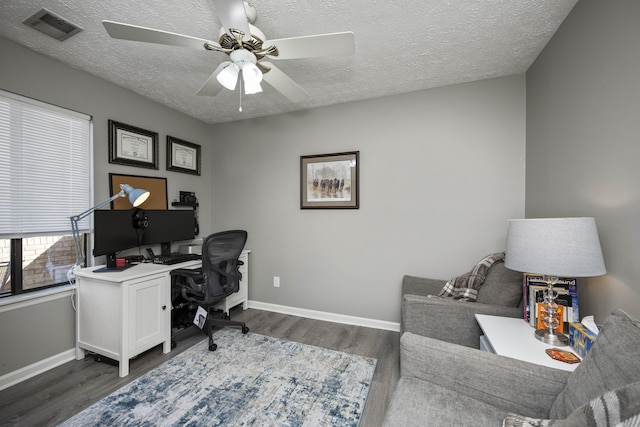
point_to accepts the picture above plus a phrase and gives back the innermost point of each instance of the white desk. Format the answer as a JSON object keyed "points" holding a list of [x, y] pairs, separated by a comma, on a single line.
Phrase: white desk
{"points": [[122, 314], [513, 337]]}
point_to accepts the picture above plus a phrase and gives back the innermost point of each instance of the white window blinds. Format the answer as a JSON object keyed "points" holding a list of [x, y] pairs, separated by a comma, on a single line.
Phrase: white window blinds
{"points": [[45, 167]]}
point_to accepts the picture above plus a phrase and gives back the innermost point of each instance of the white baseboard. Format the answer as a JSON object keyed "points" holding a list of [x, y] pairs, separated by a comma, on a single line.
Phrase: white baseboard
{"points": [[323, 315], [37, 368]]}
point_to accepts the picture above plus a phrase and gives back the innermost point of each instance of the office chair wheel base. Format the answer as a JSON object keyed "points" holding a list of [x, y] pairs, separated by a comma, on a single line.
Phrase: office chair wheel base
{"points": [[213, 346], [245, 329]]}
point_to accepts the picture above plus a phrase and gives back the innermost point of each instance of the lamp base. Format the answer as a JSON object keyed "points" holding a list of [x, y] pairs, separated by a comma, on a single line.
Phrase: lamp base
{"points": [[552, 337]]}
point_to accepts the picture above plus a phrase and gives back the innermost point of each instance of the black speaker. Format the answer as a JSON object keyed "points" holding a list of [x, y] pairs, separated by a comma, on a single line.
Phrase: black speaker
{"points": [[140, 219]]}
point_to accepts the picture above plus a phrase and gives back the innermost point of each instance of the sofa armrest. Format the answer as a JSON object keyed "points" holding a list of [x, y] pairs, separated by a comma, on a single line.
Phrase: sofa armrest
{"points": [[447, 319], [421, 285], [509, 384]]}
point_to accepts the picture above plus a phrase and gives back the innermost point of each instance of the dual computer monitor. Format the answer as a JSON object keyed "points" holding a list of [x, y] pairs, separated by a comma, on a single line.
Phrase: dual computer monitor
{"points": [[118, 230]]}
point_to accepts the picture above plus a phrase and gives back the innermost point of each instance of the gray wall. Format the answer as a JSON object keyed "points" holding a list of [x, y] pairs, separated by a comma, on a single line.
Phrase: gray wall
{"points": [[441, 171], [583, 150], [33, 75], [33, 333]]}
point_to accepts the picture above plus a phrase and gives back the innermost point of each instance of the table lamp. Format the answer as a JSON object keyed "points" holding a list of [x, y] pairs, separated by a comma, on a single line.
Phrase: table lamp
{"points": [[136, 198], [553, 247]]}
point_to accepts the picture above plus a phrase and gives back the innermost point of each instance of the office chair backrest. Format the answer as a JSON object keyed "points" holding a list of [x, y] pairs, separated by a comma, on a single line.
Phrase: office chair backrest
{"points": [[220, 253]]}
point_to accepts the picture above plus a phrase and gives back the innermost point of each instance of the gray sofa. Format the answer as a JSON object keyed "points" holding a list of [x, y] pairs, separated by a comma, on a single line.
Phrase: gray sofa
{"points": [[446, 384], [451, 320]]}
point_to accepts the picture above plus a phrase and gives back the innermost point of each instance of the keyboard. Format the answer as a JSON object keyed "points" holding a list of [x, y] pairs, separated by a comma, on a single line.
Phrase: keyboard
{"points": [[176, 258]]}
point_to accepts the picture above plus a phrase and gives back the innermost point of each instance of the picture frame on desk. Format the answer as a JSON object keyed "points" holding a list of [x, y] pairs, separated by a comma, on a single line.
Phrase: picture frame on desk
{"points": [[330, 181], [183, 156], [132, 146]]}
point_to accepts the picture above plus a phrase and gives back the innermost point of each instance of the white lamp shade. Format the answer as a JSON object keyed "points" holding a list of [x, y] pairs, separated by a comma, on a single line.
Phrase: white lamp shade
{"points": [[567, 247], [228, 77], [252, 76]]}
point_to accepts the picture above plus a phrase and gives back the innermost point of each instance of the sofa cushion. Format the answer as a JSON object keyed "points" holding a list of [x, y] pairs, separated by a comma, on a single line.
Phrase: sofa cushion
{"points": [[611, 363], [501, 287], [420, 403], [619, 407]]}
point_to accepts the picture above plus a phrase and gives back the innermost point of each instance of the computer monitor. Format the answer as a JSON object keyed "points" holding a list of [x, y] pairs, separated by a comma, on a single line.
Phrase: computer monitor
{"points": [[118, 230], [113, 233], [166, 226]]}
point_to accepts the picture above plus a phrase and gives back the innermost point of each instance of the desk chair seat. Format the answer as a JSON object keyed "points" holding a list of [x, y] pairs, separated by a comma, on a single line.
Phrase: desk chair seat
{"points": [[218, 278]]}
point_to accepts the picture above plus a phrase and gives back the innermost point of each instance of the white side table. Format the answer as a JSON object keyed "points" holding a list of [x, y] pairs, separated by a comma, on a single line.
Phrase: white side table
{"points": [[513, 337]]}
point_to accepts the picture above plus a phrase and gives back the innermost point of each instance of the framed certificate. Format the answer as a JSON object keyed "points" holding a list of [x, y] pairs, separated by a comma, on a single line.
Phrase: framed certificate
{"points": [[132, 146], [183, 156]]}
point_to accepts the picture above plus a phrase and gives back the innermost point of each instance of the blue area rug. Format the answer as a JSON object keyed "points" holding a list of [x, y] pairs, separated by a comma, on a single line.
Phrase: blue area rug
{"points": [[250, 380]]}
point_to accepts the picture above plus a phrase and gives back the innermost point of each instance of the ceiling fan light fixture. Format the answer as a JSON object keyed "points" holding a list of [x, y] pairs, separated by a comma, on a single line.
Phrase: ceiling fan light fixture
{"points": [[252, 76], [245, 61], [228, 77], [251, 82]]}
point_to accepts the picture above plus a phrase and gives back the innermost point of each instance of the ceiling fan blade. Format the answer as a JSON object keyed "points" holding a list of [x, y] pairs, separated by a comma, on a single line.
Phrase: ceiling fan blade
{"points": [[283, 84], [232, 15], [332, 44], [212, 86], [118, 30]]}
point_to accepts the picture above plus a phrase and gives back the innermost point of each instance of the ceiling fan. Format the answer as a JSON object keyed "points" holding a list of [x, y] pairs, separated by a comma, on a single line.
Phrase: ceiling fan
{"points": [[248, 48]]}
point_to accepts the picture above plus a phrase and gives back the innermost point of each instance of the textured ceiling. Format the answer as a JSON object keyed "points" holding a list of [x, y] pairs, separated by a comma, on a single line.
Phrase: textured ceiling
{"points": [[401, 46]]}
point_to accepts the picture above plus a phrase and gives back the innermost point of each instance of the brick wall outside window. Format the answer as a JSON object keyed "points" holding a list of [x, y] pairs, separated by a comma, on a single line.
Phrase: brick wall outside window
{"points": [[46, 261]]}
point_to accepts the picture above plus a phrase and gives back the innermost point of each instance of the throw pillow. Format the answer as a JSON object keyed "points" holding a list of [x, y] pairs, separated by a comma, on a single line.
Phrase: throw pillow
{"points": [[620, 407], [611, 363], [501, 287]]}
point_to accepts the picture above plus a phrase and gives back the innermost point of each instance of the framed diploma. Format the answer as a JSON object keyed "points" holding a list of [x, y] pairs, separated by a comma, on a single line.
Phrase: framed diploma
{"points": [[183, 156], [132, 146]]}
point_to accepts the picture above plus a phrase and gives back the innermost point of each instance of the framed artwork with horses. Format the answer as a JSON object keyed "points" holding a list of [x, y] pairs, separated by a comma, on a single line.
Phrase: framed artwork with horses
{"points": [[330, 181]]}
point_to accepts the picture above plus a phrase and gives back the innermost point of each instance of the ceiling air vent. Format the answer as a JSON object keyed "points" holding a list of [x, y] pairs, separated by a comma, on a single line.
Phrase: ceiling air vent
{"points": [[52, 25]]}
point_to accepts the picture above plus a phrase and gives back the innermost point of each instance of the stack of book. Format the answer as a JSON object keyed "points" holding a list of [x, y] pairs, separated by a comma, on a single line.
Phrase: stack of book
{"points": [[534, 288]]}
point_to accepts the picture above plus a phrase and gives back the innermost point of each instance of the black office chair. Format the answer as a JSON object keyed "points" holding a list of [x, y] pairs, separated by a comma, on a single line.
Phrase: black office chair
{"points": [[218, 278]]}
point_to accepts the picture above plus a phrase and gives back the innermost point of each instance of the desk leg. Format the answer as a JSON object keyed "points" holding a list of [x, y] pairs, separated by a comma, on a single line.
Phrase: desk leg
{"points": [[80, 353], [123, 367], [166, 344]]}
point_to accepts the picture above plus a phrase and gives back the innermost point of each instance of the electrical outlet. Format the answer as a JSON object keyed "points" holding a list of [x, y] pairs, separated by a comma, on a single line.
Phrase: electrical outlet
{"points": [[276, 281]]}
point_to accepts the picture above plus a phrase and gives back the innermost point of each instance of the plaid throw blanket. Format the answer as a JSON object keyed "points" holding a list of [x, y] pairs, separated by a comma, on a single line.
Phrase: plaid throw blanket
{"points": [[466, 286]]}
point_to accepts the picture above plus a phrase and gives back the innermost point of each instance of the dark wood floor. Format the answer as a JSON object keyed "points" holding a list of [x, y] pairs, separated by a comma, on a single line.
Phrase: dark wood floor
{"points": [[59, 393]]}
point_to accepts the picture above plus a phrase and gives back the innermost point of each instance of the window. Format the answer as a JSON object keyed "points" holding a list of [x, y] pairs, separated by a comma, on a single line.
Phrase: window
{"points": [[45, 178]]}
